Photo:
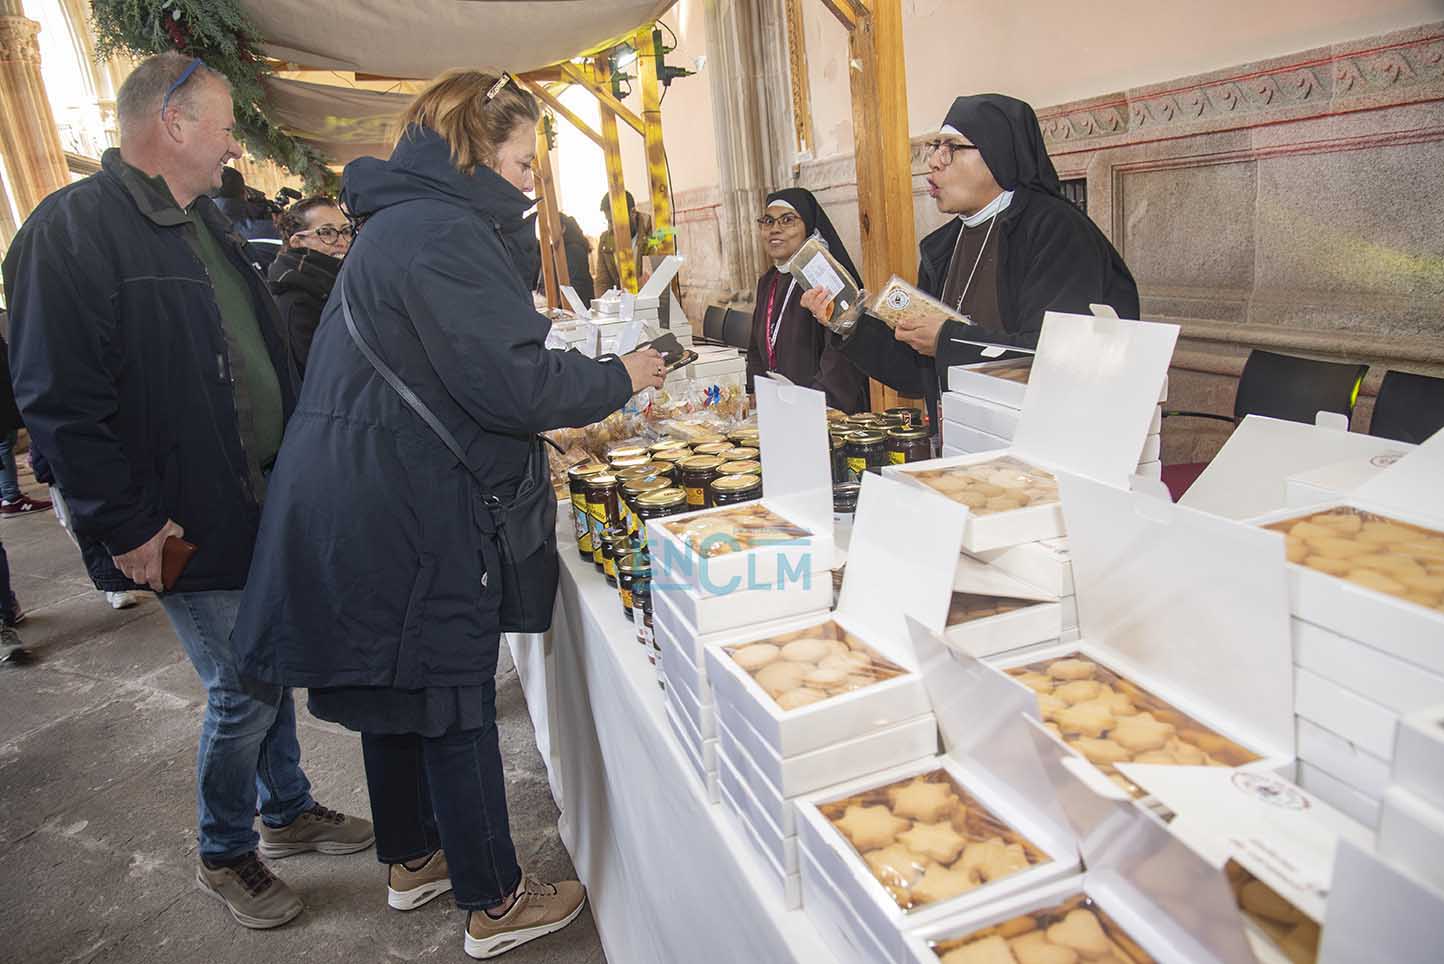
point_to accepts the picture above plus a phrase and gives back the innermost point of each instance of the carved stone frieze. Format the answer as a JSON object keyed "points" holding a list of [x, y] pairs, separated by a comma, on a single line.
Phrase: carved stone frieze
{"points": [[18, 43], [1403, 68]]}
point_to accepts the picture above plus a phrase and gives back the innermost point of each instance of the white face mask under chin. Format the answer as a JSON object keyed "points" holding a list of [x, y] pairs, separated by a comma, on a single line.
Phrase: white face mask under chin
{"points": [[994, 207]]}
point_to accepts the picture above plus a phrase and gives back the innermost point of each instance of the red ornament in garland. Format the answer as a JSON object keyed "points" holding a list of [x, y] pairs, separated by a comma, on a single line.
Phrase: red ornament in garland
{"points": [[176, 31]]}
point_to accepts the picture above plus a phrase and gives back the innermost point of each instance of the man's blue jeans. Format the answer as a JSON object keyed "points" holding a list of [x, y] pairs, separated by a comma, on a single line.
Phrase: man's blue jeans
{"points": [[248, 739]]}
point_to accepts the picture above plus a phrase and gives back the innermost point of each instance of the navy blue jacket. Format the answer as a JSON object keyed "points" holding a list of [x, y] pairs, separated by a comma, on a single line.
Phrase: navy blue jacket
{"points": [[369, 564], [122, 373]]}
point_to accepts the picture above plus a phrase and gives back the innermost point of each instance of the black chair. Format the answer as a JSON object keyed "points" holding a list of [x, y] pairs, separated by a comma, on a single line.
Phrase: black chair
{"points": [[1409, 408], [1290, 388], [712, 323], [737, 329]]}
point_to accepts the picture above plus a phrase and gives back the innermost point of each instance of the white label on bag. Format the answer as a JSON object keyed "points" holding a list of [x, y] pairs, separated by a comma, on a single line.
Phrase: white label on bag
{"points": [[821, 275]]}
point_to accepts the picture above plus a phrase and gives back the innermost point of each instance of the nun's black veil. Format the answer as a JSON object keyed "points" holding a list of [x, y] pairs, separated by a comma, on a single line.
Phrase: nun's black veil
{"points": [[1007, 134], [815, 219]]}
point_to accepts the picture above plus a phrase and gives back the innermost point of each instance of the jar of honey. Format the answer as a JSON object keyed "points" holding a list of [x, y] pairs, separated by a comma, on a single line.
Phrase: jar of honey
{"points": [[696, 475]]}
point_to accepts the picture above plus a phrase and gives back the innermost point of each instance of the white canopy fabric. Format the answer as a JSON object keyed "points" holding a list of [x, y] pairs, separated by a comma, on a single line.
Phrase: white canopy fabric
{"points": [[343, 123], [419, 39]]}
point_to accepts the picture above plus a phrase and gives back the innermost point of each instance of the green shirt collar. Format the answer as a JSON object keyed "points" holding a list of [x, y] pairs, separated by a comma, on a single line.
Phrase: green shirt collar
{"points": [[150, 192]]}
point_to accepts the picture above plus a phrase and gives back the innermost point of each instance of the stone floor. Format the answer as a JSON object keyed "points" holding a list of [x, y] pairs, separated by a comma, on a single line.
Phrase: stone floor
{"points": [[97, 813]]}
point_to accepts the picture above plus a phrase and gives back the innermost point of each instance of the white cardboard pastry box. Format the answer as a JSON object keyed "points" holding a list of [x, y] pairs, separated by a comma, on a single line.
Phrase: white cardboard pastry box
{"points": [[681, 696], [971, 440], [787, 887], [1411, 835], [992, 612], [1275, 842], [1144, 897], [1092, 390], [1371, 567], [1248, 477], [1419, 755], [1184, 651], [920, 843], [1002, 420], [781, 848], [849, 676], [783, 538], [697, 755], [1044, 564], [1379, 911], [1338, 479]]}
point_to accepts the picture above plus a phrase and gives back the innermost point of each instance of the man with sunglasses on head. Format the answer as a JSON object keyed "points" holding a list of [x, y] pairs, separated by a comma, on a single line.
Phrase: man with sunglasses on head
{"points": [[148, 365], [1014, 250]]}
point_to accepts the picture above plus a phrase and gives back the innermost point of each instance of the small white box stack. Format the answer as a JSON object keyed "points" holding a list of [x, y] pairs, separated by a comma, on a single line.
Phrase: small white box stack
{"points": [[770, 755], [981, 410], [697, 597], [1411, 815], [1364, 658], [1090, 404]]}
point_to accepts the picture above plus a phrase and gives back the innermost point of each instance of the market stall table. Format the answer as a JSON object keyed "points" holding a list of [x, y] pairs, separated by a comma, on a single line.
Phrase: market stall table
{"points": [[669, 877]]}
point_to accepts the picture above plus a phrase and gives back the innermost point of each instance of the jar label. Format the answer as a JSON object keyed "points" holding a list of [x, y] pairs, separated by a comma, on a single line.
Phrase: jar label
{"points": [[584, 530], [627, 599], [896, 458], [696, 497], [855, 469], [609, 566]]}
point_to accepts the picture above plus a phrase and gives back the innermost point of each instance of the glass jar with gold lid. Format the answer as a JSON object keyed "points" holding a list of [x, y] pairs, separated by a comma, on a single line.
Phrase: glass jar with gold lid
{"points": [[740, 467], [711, 448], [739, 452], [732, 489], [696, 473], [909, 445], [865, 450], [625, 450], [577, 486], [658, 504]]}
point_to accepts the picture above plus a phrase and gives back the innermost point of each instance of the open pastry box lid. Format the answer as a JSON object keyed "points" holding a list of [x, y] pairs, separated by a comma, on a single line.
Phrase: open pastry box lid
{"points": [[1188, 604], [905, 542], [796, 465], [978, 577], [1094, 386], [1248, 476], [1410, 487]]}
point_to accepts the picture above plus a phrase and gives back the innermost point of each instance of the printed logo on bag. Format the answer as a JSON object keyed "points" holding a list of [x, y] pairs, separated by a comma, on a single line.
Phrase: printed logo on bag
{"points": [[897, 300], [1270, 789]]}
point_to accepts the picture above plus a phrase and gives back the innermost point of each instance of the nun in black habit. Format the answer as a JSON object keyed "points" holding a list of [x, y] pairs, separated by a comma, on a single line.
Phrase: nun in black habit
{"points": [[1015, 250], [785, 338]]}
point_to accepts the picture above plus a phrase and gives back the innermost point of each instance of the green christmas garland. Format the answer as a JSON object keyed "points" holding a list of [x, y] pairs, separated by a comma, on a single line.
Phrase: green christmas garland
{"points": [[219, 33]]}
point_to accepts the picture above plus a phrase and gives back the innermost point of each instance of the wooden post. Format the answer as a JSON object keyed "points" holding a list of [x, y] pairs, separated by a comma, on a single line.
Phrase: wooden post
{"points": [[554, 256], [616, 187], [650, 67], [883, 146]]}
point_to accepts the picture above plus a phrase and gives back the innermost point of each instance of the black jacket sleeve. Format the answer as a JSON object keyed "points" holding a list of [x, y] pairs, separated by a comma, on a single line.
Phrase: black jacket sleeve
{"points": [[1068, 265], [65, 348], [488, 344]]}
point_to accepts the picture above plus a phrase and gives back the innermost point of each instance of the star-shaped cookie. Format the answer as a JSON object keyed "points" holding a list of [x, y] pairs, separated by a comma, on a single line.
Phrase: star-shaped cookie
{"points": [[869, 828], [926, 800], [937, 841]]}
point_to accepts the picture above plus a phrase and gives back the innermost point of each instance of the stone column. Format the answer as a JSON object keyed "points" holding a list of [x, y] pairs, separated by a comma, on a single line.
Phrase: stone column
{"points": [[29, 143]]}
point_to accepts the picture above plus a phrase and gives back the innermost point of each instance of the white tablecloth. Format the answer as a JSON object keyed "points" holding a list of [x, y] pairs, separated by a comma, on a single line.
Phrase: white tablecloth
{"points": [[669, 877]]}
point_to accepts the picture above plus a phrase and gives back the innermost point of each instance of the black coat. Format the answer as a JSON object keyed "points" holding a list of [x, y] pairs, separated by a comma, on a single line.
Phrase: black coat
{"points": [[122, 373], [301, 280], [98, 564], [807, 353], [10, 420], [369, 564], [1051, 257], [579, 258]]}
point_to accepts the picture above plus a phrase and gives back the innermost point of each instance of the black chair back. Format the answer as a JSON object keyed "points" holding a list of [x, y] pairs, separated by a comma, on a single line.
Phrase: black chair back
{"points": [[737, 330], [1295, 389], [712, 322], [1410, 407]]}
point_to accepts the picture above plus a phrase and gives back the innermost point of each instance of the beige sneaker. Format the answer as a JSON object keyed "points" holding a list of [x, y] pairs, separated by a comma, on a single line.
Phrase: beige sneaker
{"points": [[409, 889], [319, 829], [540, 909], [255, 897]]}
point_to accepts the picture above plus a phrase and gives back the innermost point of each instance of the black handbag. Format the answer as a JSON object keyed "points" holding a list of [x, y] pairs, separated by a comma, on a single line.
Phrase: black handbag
{"points": [[524, 530]]}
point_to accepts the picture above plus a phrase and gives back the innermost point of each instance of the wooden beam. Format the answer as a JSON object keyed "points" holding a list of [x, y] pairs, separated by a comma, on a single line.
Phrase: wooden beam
{"points": [[554, 258], [848, 12], [550, 99], [657, 179], [546, 75], [600, 83], [797, 69], [617, 191], [884, 152]]}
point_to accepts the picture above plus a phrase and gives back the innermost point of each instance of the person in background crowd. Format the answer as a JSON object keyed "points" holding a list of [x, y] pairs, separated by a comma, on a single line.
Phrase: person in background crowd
{"points": [[579, 258], [250, 216], [150, 372], [785, 339], [1015, 250], [12, 500], [12, 648], [640, 225], [317, 236], [397, 632]]}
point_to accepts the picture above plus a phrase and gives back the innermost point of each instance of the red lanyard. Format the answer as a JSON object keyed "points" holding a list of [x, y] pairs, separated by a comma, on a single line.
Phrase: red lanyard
{"points": [[773, 327]]}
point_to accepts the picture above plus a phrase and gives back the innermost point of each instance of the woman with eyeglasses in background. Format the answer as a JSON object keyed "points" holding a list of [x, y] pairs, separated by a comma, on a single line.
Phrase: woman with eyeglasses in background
{"points": [[785, 339], [316, 236]]}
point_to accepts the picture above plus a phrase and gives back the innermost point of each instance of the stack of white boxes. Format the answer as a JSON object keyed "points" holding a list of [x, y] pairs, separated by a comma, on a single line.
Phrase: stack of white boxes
{"points": [[1411, 814], [771, 756], [980, 412], [1364, 659]]}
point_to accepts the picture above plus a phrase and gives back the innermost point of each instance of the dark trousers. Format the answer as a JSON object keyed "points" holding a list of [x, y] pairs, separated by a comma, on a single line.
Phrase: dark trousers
{"points": [[445, 792]]}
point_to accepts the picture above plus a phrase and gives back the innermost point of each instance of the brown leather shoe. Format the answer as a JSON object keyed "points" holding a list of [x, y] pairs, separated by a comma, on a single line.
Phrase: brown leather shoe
{"points": [[409, 889], [540, 909]]}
